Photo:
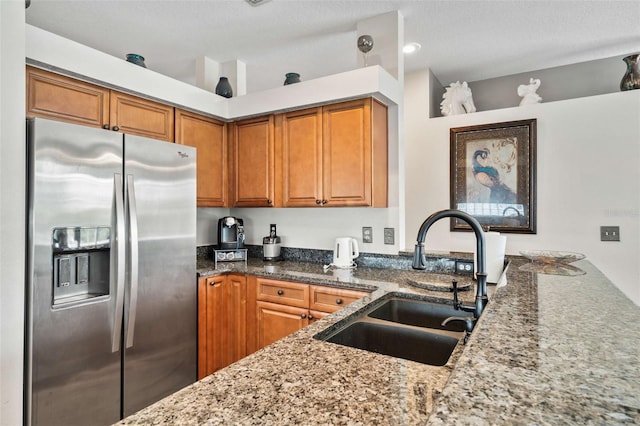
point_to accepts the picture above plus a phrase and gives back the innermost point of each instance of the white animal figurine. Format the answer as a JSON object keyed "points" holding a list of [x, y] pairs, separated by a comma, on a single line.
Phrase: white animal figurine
{"points": [[528, 92], [457, 99]]}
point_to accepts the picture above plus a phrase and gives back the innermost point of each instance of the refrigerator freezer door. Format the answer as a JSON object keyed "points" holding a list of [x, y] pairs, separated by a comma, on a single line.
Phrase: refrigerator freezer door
{"points": [[73, 375], [160, 358]]}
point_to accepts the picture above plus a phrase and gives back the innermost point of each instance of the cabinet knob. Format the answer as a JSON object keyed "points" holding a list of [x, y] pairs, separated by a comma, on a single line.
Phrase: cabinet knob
{"points": [[280, 292], [106, 127], [212, 283], [303, 316], [310, 317], [338, 301], [318, 201], [324, 202], [116, 128], [269, 201]]}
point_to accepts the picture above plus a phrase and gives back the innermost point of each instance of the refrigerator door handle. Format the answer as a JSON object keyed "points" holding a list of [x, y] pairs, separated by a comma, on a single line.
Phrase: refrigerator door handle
{"points": [[118, 261], [133, 251]]}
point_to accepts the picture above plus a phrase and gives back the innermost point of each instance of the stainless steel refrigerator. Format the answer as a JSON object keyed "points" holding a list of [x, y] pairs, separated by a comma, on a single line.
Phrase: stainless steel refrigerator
{"points": [[111, 281]]}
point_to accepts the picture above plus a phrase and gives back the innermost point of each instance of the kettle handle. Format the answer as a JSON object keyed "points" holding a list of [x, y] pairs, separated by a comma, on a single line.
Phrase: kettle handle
{"points": [[354, 248]]}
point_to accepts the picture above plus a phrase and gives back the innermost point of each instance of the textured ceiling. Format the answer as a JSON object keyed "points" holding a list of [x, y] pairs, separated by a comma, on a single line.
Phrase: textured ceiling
{"points": [[461, 40]]}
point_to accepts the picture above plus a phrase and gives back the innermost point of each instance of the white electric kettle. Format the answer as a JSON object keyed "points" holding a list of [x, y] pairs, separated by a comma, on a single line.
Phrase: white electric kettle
{"points": [[345, 250]]}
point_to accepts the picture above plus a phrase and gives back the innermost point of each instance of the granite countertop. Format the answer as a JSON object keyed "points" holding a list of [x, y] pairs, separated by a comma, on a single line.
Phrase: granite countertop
{"points": [[547, 350]]}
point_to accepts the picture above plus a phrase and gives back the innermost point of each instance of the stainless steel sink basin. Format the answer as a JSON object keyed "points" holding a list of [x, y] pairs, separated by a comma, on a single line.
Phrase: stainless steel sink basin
{"points": [[419, 313], [397, 341], [402, 326]]}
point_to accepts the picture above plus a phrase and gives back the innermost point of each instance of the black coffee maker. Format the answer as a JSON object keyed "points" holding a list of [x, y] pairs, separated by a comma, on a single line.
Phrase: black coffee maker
{"points": [[230, 233]]}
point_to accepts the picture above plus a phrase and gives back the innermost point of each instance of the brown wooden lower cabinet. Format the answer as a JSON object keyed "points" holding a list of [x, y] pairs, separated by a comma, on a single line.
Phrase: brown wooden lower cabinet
{"points": [[238, 314], [222, 322], [276, 321]]}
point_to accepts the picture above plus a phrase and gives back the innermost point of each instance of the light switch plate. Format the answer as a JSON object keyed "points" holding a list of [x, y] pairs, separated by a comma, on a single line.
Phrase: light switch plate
{"points": [[367, 234], [609, 233], [389, 235]]}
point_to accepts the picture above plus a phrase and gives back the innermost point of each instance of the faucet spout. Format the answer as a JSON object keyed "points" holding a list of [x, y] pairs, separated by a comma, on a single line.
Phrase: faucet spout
{"points": [[419, 258]]}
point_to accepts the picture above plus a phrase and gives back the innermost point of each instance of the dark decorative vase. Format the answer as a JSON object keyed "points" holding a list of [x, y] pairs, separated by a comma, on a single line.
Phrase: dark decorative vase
{"points": [[223, 88], [631, 78], [136, 59], [292, 77]]}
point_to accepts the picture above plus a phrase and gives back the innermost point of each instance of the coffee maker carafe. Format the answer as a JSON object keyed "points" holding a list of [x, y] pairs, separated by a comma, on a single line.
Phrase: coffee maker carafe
{"points": [[230, 233]]}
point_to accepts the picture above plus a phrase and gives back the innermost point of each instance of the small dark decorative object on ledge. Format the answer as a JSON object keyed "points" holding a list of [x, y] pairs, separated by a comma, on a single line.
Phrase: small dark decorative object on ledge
{"points": [[291, 77], [223, 88], [631, 78], [134, 58]]}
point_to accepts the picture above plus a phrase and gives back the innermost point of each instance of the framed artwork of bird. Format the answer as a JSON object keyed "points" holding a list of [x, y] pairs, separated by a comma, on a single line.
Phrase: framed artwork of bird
{"points": [[493, 169]]}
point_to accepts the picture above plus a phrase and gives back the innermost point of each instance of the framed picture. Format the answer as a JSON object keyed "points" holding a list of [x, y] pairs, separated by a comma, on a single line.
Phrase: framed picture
{"points": [[493, 175]]}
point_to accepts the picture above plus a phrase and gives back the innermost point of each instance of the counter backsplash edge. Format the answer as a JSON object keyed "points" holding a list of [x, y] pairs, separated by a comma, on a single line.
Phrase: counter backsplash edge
{"points": [[439, 262]]}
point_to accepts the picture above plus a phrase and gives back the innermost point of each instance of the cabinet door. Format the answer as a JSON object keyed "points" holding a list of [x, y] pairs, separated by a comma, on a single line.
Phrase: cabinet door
{"points": [[253, 163], [347, 153], [277, 321], [301, 133], [61, 98], [209, 136], [355, 148], [137, 116], [222, 331]]}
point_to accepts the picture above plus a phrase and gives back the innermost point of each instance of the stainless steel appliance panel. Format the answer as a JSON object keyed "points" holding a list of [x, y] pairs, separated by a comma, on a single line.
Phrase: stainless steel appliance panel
{"points": [[71, 364], [161, 308]]}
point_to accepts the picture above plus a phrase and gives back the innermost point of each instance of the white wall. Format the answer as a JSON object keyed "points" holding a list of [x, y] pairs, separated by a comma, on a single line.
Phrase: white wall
{"points": [[588, 175], [12, 213]]}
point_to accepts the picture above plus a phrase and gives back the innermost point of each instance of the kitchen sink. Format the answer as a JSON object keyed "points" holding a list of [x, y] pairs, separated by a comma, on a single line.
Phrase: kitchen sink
{"points": [[420, 313], [403, 326], [397, 341]]}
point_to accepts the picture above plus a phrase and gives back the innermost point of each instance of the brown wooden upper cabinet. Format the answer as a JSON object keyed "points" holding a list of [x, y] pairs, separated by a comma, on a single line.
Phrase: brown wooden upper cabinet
{"points": [[253, 163], [61, 98], [57, 97], [137, 116], [209, 136], [335, 155]]}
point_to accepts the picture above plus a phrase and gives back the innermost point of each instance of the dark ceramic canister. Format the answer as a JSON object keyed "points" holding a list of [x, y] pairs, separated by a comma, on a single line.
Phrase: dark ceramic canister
{"points": [[631, 78], [223, 88], [291, 77], [134, 58]]}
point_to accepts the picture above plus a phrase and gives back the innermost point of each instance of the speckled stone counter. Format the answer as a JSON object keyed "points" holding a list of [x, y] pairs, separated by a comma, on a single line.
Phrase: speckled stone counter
{"points": [[548, 350]]}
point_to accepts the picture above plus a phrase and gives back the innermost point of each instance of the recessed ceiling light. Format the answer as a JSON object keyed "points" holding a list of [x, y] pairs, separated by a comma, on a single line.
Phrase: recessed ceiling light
{"points": [[411, 48]]}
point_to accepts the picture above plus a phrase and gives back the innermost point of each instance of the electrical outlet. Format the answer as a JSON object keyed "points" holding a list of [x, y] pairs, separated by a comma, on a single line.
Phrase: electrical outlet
{"points": [[464, 266], [609, 233], [367, 234], [389, 236]]}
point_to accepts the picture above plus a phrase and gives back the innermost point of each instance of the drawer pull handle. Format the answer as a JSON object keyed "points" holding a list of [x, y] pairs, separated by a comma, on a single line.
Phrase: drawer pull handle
{"points": [[338, 301], [280, 292]]}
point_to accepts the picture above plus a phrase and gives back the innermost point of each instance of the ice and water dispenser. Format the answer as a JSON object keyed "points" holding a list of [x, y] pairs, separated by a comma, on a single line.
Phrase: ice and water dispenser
{"points": [[81, 258]]}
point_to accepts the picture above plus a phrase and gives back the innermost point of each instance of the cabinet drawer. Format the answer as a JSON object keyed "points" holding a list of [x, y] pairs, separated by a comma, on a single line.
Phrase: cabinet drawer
{"points": [[328, 299], [283, 292]]}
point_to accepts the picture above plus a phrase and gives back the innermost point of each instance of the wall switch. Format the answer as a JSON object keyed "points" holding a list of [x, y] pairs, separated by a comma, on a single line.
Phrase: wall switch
{"points": [[609, 233], [389, 236], [367, 234]]}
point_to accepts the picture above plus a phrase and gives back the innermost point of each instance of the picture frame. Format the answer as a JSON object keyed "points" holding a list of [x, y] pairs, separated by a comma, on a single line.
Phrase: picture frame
{"points": [[493, 175]]}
